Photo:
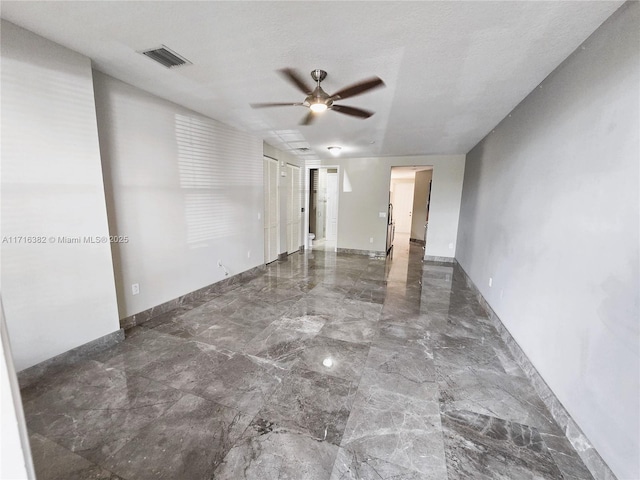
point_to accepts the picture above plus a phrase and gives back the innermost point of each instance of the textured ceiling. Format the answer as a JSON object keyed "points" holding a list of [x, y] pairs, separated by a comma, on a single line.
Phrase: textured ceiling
{"points": [[452, 70]]}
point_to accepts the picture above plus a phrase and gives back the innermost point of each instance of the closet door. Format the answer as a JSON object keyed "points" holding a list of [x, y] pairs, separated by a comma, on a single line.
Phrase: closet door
{"points": [[332, 208], [294, 215], [271, 213]]}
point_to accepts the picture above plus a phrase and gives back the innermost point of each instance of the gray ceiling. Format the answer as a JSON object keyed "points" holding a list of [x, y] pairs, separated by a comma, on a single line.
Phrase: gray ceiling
{"points": [[452, 69]]}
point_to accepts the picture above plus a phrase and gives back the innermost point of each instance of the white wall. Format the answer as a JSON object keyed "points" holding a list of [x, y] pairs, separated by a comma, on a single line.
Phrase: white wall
{"points": [[369, 179], [550, 210], [186, 190], [56, 296]]}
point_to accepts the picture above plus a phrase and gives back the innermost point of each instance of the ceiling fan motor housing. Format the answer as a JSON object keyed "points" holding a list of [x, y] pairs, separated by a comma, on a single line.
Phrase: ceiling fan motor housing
{"points": [[318, 75], [318, 96]]}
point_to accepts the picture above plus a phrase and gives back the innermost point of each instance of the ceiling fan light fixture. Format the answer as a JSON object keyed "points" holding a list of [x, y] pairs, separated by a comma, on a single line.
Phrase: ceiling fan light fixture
{"points": [[334, 150], [318, 107], [319, 101]]}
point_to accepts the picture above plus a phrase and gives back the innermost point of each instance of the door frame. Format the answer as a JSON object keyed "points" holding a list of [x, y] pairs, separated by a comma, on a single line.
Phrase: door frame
{"points": [[290, 197], [307, 189]]}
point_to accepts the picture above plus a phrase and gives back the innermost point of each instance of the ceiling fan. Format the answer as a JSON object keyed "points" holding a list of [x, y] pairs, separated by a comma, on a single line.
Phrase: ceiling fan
{"points": [[318, 101]]}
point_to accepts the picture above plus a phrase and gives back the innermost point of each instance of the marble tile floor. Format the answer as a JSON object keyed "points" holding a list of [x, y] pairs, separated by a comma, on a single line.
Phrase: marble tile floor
{"points": [[327, 367]]}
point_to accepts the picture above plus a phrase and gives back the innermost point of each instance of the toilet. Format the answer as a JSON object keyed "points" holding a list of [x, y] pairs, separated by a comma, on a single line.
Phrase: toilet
{"points": [[310, 238]]}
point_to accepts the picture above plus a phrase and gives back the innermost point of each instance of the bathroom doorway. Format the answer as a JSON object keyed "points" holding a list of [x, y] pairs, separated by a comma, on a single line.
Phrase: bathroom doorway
{"points": [[322, 233]]}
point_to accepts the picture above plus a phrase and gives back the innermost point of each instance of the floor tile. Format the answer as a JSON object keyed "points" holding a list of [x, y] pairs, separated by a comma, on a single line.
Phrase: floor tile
{"points": [[408, 363], [96, 418], [189, 368], [336, 358], [137, 351], [54, 462], [267, 452], [499, 395], [229, 378], [393, 335], [483, 447], [311, 404], [399, 427], [188, 441], [243, 382], [350, 465], [282, 342], [230, 334], [408, 439], [350, 329], [456, 354]]}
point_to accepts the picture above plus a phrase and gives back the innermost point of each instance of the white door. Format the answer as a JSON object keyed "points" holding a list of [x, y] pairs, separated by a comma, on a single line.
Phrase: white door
{"points": [[271, 210], [294, 214], [332, 208], [402, 206], [321, 203]]}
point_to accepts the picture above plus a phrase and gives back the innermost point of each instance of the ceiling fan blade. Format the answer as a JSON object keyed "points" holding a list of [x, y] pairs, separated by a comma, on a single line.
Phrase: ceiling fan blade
{"points": [[277, 104], [291, 75], [308, 119], [354, 112], [358, 88]]}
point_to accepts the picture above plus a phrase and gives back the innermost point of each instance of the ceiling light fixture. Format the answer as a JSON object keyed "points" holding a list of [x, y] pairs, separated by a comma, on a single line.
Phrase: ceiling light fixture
{"points": [[335, 151], [318, 107]]}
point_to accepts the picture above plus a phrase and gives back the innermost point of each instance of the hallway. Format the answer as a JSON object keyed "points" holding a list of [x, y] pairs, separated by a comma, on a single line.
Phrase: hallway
{"points": [[328, 366]]}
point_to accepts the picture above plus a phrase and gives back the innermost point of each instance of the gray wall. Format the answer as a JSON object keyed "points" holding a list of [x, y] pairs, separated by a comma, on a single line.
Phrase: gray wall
{"points": [[550, 211], [57, 295], [184, 189]]}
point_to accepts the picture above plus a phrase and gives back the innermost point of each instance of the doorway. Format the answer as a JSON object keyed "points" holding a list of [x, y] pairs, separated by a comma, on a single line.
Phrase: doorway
{"points": [[323, 209], [294, 212], [409, 193]]}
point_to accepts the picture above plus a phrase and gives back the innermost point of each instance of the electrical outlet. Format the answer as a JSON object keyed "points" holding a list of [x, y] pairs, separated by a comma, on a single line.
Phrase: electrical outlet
{"points": [[259, 215], [248, 253], [451, 246], [382, 214], [135, 289], [370, 239], [490, 281]]}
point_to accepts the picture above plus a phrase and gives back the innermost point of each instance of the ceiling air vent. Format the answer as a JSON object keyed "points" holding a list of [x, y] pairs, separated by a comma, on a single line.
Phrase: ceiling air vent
{"points": [[166, 57]]}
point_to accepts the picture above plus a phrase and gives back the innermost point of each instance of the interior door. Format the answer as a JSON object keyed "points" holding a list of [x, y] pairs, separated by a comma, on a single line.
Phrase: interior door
{"points": [[402, 206], [271, 210], [294, 213], [332, 208]]}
